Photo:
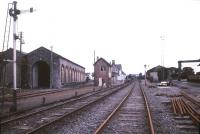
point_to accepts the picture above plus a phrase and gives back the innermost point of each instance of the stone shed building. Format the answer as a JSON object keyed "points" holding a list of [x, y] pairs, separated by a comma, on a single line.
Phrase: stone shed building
{"points": [[160, 73], [102, 73], [40, 68]]}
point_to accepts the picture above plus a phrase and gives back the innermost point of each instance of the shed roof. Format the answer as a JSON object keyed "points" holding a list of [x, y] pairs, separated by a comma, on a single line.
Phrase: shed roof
{"points": [[56, 55]]}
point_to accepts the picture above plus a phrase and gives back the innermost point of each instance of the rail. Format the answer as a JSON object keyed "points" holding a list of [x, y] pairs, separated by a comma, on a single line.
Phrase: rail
{"points": [[70, 113], [71, 107], [181, 107], [191, 98], [99, 129], [152, 130], [4, 122]]}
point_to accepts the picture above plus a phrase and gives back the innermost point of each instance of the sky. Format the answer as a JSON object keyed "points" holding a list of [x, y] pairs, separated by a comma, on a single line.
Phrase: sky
{"points": [[133, 33]]}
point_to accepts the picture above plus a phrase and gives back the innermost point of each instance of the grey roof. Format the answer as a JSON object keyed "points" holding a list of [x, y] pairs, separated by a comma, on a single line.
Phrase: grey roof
{"points": [[10, 51], [57, 55], [119, 66], [123, 73]]}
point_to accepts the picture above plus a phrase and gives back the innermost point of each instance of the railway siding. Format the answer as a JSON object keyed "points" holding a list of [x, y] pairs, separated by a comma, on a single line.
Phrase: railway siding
{"points": [[27, 99], [164, 117]]}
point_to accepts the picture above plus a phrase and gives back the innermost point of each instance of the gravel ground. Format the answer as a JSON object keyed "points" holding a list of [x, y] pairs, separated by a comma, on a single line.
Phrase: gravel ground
{"points": [[191, 88], [85, 121], [163, 117], [158, 98]]}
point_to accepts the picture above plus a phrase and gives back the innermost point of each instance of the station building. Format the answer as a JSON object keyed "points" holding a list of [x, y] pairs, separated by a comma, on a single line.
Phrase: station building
{"points": [[108, 74], [102, 73], [40, 68]]}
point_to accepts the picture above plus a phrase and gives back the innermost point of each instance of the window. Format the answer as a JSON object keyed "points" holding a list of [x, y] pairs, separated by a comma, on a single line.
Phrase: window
{"points": [[67, 75], [103, 68], [62, 74]]}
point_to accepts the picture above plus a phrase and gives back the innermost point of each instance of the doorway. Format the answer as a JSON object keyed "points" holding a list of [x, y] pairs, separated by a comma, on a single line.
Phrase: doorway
{"points": [[41, 75]]}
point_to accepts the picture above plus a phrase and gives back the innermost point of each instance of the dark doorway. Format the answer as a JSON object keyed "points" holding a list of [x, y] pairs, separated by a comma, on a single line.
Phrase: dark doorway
{"points": [[41, 75]]}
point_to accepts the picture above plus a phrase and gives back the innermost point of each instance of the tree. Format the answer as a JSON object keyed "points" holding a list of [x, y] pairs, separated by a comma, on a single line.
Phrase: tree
{"points": [[186, 72], [198, 73]]}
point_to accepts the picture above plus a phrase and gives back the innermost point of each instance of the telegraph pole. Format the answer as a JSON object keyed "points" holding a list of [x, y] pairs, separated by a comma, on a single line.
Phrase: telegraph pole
{"points": [[20, 72], [14, 12], [162, 55]]}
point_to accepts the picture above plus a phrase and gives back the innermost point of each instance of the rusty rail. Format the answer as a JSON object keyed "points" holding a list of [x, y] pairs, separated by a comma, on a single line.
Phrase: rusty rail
{"points": [[181, 107], [191, 98], [99, 129], [148, 112], [36, 130]]}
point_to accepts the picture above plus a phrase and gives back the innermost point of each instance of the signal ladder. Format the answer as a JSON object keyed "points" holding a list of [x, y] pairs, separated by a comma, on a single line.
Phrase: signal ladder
{"points": [[7, 29]]}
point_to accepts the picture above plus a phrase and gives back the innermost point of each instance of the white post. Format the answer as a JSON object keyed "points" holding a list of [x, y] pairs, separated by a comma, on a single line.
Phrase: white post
{"points": [[14, 57], [13, 12]]}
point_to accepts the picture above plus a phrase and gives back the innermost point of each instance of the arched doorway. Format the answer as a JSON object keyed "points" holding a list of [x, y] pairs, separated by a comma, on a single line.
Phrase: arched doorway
{"points": [[41, 75]]}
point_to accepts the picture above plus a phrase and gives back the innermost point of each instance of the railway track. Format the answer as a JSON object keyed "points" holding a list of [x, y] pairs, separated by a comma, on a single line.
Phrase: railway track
{"points": [[187, 113], [43, 98], [19, 115], [86, 120], [25, 95], [132, 115], [38, 120], [191, 99]]}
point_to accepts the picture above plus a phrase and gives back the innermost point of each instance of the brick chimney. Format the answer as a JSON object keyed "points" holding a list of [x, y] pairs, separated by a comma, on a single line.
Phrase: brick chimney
{"points": [[113, 62]]}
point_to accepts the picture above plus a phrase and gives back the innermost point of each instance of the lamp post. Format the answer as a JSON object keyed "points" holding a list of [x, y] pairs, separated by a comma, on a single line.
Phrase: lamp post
{"points": [[145, 66]]}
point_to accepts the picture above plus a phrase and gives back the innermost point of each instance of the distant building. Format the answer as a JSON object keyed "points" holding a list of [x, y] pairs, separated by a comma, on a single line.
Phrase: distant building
{"points": [[118, 76], [154, 76], [172, 73], [102, 73], [160, 73], [40, 68]]}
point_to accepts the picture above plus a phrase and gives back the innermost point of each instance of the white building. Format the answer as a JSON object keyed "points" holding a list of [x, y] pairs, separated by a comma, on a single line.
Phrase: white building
{"points": [[118, 76]]}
